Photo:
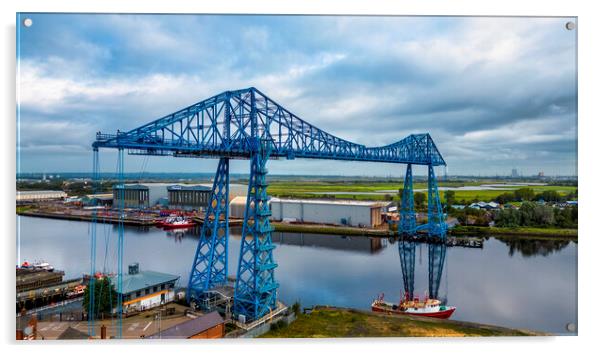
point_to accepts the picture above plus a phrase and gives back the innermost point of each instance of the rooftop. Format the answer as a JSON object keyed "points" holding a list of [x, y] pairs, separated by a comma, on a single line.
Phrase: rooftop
{"points": [[197, 187], [333, 202], [190, 328], [145, 279]]}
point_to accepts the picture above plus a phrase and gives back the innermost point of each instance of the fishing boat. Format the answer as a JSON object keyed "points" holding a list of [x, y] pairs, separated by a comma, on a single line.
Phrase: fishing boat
{"points": [[428, 307], [176, 222]]}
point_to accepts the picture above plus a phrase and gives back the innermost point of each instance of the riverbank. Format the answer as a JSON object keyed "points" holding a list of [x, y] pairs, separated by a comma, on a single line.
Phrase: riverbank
{"points": [[88, 218], [522, 232], [326, 322], [328, 229], [457, 231]]}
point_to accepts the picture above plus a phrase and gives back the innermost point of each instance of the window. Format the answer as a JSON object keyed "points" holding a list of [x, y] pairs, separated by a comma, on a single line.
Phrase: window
{"points": [[163, 286], [138, 293], [147, 291], [154, 288]]}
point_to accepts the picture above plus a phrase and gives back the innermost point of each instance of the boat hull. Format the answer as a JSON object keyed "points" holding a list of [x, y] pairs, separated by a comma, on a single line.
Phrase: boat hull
{"points": [[442, 314], [175, 226]]}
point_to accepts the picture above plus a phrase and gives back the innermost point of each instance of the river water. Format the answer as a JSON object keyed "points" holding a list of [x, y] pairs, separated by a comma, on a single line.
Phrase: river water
{"points": [[516, 283]]}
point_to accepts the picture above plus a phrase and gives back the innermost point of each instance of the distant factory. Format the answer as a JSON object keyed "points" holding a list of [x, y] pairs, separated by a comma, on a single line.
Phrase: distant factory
{"points": [[176, 196]]}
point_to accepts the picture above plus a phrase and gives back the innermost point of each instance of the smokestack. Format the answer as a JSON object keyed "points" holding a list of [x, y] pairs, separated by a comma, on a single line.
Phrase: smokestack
{"points": [[103, 332]]}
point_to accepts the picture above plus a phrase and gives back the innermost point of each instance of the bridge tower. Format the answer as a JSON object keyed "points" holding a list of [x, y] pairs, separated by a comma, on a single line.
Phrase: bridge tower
{"points": [[407, 215], [436, 264], [210, 265], [436, 226], [255, 293], [436, 218], [407, 256]]}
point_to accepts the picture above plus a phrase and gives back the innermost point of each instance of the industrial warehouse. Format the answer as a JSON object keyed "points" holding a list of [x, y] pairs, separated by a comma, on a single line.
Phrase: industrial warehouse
{"points": [[175, 196]]}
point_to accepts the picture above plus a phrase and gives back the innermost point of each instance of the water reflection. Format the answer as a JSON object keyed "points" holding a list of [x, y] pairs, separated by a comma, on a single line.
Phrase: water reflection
{"points": [[531, 247], [436, 264], [486, 285]]}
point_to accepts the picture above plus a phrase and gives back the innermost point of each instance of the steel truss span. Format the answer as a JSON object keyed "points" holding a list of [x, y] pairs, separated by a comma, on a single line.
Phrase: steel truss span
{"points": [[226, 125], [247, 124]]}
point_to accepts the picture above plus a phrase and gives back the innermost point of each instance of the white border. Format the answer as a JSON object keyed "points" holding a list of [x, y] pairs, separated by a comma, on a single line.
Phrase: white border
{"points": [[589, 26]]}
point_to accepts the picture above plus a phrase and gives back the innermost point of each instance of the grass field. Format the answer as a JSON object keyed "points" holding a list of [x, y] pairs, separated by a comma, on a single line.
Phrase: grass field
{"points": [[315, 190], [336, 322]]}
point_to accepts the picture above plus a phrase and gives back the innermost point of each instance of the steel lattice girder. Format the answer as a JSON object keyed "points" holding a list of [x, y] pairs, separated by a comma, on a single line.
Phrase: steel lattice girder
{"points": [[436, 263], [226, 124], [436, 218], [255, 293], [407, 256], [210, 265], [407, 215]]}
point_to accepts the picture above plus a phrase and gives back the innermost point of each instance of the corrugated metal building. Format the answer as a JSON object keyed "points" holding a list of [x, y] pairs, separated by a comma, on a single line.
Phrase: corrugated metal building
{"points": [[188, 196], [340, 212], [26, 196], [183, 196]]}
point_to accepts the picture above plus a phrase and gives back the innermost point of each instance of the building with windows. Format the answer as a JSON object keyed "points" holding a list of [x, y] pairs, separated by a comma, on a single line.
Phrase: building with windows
{"points": [[134, 195], [188, 196], [143, 290], [176, 196]]}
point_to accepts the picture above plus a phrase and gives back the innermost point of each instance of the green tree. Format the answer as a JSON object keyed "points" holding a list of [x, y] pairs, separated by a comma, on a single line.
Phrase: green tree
{"points": [[105, 297], [524, 194], [419, 199], [505, 198], [450, 198]]}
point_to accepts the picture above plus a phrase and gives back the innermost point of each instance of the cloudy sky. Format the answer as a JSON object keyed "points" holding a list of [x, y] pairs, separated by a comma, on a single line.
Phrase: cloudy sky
{"points": [[494, 93]]}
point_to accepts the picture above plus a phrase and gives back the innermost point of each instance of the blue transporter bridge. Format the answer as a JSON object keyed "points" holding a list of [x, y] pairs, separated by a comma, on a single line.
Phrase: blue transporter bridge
{"points": [[247, 124]]}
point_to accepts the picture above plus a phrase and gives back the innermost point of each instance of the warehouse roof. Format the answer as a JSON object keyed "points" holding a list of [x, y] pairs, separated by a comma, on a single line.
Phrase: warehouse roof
{"points": [[40, 192], [145, 279], [333, 202], [190, 328], [131, 186]]}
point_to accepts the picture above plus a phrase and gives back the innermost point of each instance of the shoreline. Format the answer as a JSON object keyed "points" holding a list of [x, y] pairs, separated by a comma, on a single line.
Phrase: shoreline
{"points": [[457, 231]]}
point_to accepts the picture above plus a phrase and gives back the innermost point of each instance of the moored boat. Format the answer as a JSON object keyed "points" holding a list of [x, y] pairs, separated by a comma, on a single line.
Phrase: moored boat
{"points": [[176, 222], [428, 307]]}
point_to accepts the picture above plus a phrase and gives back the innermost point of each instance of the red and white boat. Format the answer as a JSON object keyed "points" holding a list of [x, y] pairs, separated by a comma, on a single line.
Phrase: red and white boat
{"points": [[176, 222], [427, 307]]}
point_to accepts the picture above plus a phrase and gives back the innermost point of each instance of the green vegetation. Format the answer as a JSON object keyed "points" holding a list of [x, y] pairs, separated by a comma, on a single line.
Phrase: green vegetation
{"points": [[25, 208], [389, 190], [531, 214], [516, 231], [335, 322], [105, 297]]}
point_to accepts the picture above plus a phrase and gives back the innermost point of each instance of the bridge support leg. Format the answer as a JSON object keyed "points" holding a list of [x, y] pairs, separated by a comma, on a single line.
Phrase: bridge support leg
{"points": [[210, 265], [436, 262], [92, 283], [255, 293], [436, 219], [407, 215], [120, 231], [407, 256]]}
